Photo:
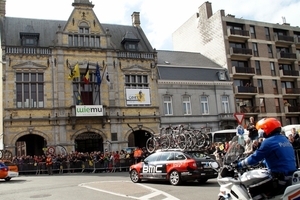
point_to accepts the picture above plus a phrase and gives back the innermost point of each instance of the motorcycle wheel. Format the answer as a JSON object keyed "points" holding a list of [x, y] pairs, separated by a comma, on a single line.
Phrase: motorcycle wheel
{"points": [[221, 198]]}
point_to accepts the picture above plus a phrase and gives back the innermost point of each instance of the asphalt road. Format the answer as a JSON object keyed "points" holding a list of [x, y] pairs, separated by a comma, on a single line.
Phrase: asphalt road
{"points": [[97, 186]]}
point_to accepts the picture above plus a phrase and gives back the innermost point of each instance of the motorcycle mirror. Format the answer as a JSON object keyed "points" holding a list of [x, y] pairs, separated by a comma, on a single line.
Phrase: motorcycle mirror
{"points": [[214, 165]]}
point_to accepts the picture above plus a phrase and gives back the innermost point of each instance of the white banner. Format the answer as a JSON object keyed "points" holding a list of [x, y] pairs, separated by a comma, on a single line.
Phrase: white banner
{"points": [[137, 96], [89, 110]]}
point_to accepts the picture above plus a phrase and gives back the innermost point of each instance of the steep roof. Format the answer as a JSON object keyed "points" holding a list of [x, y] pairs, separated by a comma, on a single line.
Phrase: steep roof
{"points": [[188, 66], [48, 28]]}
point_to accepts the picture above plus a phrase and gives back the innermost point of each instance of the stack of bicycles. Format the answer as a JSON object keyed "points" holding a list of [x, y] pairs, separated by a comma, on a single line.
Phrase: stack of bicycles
{"points": [[5, 155], [178, 138]]}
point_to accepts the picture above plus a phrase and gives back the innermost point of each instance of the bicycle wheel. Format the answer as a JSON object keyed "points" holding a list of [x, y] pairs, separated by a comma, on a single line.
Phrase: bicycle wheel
{"points": [[181, 142], [164, 142], [150, 145], [201, 140], [190, 140]]}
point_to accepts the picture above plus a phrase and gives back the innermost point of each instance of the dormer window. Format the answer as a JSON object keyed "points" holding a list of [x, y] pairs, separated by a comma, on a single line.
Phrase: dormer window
{"points": [[131, 47], [29, 39], [130, 42]]}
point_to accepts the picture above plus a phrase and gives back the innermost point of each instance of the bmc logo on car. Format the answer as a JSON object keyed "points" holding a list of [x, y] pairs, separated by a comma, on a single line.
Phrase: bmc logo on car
{"points": [[152, 169]]}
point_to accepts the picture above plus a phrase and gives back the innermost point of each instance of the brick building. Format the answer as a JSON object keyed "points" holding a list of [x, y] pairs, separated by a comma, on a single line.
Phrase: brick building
{"points": [[262, 59]]}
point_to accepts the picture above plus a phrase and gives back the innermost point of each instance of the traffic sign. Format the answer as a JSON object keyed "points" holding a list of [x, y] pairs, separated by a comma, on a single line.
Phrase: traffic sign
{"points": [[51, 150], [239, 117]]}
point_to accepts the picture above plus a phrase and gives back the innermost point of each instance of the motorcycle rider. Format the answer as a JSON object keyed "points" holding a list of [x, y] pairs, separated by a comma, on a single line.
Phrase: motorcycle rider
{"points": [[276, 151]]}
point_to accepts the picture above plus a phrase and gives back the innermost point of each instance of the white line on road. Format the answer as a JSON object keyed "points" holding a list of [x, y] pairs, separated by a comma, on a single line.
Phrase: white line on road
{"points": [[153, 192]]}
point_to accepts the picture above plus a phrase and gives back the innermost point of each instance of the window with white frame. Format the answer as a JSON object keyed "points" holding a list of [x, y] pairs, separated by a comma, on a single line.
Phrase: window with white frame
{"points": [[168, 105], [30, 90], [204, 105], [225, 104], [186, 105]]}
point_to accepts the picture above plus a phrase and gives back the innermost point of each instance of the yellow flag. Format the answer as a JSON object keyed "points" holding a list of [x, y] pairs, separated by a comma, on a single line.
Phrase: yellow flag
{"points": [[75, 73]]}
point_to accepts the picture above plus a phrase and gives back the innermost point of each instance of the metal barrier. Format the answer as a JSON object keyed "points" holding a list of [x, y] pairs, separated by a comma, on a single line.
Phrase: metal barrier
{"points": [[75, 167], [89, 166]]}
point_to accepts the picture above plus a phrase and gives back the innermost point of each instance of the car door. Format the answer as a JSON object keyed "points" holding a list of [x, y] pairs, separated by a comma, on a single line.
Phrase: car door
{"points": [[161, 165], [149, 166], [176, 161]]}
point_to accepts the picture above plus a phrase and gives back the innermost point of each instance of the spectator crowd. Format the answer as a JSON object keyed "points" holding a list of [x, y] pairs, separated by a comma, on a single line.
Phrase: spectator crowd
{"points": [[97, 161]]}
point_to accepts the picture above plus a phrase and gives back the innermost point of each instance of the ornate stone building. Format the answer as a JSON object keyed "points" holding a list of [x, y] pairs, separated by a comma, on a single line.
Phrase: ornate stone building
{"points": [[52, 96]]}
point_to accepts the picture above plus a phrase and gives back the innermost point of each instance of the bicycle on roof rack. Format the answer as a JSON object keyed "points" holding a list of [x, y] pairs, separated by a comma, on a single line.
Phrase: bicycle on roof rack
{"points": [[157, 141], [5, 155], [178, 138]]}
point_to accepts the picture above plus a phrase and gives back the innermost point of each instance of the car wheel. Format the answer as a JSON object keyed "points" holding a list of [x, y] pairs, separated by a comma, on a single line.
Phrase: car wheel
{"points": [[175, 178], [7, 179], [134, 176], [203, 180]]}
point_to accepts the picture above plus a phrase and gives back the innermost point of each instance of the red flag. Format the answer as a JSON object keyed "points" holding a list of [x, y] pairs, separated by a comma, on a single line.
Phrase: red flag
{"points": [[86, 78]]}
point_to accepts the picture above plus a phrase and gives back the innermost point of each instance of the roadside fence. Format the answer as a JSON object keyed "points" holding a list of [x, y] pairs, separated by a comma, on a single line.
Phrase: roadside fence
{"points": [[75, 167]]}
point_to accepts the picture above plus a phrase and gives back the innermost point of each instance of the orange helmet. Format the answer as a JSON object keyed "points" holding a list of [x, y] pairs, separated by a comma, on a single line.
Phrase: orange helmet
{"points": [[268, 125]]}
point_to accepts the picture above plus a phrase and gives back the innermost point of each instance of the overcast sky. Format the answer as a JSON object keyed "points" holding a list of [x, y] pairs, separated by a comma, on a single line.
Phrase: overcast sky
{"points": [[159, 18]]}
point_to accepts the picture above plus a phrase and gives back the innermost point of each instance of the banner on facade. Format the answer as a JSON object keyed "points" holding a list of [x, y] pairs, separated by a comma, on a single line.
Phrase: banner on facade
{"points": [[89, 110], [137, 96]]}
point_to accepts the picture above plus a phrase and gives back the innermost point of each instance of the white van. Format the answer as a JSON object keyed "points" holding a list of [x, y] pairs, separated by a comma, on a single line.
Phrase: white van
{"points": [[224, 135], [288, 129]]}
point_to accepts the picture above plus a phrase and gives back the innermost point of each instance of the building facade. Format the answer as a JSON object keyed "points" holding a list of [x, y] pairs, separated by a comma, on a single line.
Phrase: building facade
{"points": [[76, 85], [262, 60], [194, 92]]}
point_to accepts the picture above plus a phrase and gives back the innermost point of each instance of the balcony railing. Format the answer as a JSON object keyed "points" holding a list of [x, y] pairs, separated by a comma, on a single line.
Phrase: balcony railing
{"points": [[238, 35], [286, 56], [292, 109], [28, 50], [288, 73], [291, 91], [283, 38], [246, 89], [135, 55], [239, 32], [243, 70], [241, 51]]}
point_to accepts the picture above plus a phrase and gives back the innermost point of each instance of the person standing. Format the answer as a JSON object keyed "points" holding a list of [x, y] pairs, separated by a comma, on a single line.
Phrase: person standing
{"points": [[253, 134], [49, 164], [295, 133]]}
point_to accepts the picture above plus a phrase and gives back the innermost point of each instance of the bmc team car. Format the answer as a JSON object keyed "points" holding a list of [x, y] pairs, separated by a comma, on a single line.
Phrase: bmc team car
{"points": [[8, 170], [175, 166]]}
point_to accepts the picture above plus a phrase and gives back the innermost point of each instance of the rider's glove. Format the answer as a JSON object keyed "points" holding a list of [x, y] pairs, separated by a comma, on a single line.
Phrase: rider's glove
{"points": [[234, 164]]}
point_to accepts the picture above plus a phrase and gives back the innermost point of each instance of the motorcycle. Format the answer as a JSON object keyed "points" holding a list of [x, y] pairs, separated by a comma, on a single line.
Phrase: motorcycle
{"points": [[251, 183]]}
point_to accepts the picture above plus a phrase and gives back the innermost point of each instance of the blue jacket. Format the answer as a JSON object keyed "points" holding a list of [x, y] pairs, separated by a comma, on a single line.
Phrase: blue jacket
{"points": [[278, 153]]}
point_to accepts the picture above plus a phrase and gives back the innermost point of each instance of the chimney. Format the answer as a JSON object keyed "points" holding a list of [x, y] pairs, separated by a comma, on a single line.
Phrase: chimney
{"points": [[136, 19], [2, 8], [208, 9]]}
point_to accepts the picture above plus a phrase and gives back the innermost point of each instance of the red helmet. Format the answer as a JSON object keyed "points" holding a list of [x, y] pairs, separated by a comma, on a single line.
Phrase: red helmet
{"points": [[268, 125]]}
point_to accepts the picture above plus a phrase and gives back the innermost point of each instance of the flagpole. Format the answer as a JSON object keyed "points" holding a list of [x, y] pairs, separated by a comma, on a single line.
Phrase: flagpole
{"points": [[104, 68]]}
